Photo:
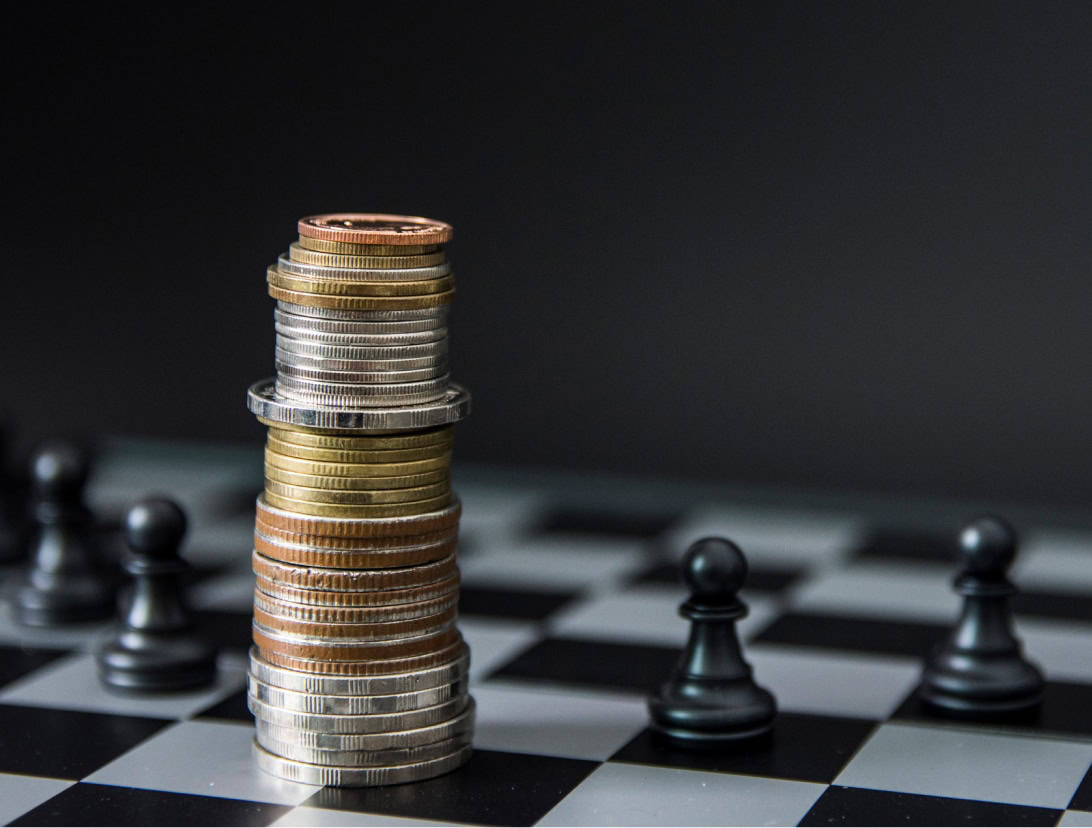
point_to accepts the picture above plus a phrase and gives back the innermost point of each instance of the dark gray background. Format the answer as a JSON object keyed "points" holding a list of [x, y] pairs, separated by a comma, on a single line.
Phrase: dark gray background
{"points": [[843, 246]]}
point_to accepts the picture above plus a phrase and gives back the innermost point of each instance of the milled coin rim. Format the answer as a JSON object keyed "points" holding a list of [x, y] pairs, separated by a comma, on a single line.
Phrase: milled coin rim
{"points": [[432, 231], [338, 685], [263, 401], [346, 777]]}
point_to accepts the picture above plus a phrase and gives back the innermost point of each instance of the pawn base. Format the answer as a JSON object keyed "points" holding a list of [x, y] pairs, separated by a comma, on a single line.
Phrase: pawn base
{"points": [[88, 601], [139, 662], [963, 682], [702, 711]]}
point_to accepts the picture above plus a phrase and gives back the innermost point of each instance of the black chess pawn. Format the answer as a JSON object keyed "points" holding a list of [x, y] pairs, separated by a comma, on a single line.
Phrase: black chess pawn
{"points": [[66, 582], [711, 696], [981, 668], [156, 648]]}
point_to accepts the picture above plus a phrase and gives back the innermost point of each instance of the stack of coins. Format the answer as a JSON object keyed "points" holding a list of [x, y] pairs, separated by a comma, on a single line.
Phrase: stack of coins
{"points": [[358, 674]]}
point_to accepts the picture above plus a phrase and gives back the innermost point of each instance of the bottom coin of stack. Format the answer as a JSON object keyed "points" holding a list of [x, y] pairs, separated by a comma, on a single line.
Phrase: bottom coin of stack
{"points": [[358, 675]]}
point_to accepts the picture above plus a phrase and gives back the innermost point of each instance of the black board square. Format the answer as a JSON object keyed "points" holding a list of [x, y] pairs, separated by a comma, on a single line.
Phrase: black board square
{"points": [[859, 806], [1064, 711], [1082, 799], [802, 746], [16, 662], [600, 664], [493, 788], [908, 545], [497, 602], [854, 634], [66, 744], [88, 804]]}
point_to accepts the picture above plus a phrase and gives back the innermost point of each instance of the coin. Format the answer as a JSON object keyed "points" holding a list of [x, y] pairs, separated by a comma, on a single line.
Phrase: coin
{"points": [[352, 615], [293, 390], [369, 668], [343, 316], [273, 641], [311, 508], [356, 497], [360, 470], [300, 254], [373, 633], [341, 559], [442, 518], [388, 340], [324, 350], [314, 458], [354, 705], [373, 598], [358, 275], [348, 367], [370, 391], [359, 777], [314, 326], [263, 402], [407, 482], [375, 228], [331, 287], [356, 723], [365, 759], [358, 685], [356, 441], [370, 546], [376, 303], [458, 725], [371, 377], [323, 246], [352, 580]]}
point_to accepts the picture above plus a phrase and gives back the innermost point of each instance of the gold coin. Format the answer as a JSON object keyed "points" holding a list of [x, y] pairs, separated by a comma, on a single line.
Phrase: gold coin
{"points": [[336, 456], [308, 508], [368, 497], [373, 631], [330, 287], [319, 300], [363, 546], [355, 441], [269, 641], [442, 516], [312, 467], [277, 550], [355, 484], [447, 587], [350, 249], [352, 615], [373, 667], [366, 262]]}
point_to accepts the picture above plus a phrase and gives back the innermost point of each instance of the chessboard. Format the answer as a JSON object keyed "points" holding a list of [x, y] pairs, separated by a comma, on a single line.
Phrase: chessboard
{"points": [[569, 604]]}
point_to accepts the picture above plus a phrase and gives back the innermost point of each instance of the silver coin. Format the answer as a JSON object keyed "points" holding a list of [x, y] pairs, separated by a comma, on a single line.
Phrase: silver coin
{"points": [[358, 777], [363, 396], [349, 327], [333, 685], [387, 340], [354, 705], [361, 316], [325, 350], [352, 274], [361, 723], [363, 758], [285, 369], [452, 406], [408, 364]]}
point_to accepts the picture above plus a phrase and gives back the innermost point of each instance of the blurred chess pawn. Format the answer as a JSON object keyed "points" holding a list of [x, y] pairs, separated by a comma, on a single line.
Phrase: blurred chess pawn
{"points": [[156, 648], [66, 582]]}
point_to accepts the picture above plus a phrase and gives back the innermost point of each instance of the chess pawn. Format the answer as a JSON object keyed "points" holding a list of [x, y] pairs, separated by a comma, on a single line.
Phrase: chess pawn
{"points": [[981, 667], [155, 648], [711, 696], [65, 583]]}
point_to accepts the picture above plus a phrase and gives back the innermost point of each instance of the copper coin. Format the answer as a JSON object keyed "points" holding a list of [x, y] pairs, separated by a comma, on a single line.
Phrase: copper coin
{"points": [[375, 228], [352, 580], [269, 641], [374, 632], [375, 667], [371, 598], [359, 527], [340, 559], [352, 615]]}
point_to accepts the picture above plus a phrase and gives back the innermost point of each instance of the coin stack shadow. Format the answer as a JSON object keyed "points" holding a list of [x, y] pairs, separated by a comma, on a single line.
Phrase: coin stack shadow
{"points": [[358, 673]]}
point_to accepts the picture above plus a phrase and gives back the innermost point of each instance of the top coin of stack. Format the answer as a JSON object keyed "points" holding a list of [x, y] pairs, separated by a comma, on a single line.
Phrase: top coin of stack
{"points": [[358, 675]]}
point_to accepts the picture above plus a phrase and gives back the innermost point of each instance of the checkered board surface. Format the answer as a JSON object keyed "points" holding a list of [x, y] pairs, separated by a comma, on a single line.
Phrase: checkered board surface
{"points": [[569, 605]]}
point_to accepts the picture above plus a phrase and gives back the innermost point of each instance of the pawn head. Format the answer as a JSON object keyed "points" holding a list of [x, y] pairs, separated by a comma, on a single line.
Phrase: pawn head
{"points": [[987, 545], [59, 470], [714, 567], [154, 527]]}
